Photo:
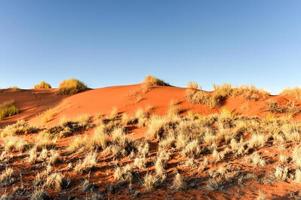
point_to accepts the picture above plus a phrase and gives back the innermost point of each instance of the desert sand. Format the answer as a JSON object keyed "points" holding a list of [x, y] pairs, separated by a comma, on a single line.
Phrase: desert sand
{"points": [[214, 170]]}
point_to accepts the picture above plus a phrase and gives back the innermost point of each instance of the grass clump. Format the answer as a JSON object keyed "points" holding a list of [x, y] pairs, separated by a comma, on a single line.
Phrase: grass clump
{"points": [[42, 85], [71, 86], [8, 109], [88, 163], [178, 182], [152, 81]]}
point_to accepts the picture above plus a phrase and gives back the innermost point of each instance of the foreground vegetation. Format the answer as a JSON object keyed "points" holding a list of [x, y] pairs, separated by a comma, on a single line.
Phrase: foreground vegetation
{"points": [[178, 153]]}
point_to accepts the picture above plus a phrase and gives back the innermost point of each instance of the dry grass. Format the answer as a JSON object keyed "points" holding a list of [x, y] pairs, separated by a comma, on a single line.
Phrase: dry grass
{"points": [[8, 109], [250, 93], [293, 92], [71, 86], [178, 182], [257, 160], [193, 86], [39, 194], [87, 163], [47, 116], [151, 81], [12, 143], [150, 182], [220, 94], [45, 140], [54, 181], [33, 155], [257, 140], [124, 174], [42, 85], [6, 177], [296, 155], [289, 108], [281, 173], [155, 127]]}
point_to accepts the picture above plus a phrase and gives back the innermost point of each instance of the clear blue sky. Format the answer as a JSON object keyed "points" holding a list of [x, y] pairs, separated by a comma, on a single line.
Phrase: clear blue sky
{"points": [[120, 41]]}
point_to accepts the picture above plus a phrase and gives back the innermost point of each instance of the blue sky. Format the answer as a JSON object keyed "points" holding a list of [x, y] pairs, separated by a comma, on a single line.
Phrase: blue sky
{"points": [[119, 42]]}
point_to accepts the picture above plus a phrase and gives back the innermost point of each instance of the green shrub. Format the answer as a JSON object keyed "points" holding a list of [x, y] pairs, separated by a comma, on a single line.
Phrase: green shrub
{"points": [[42, 85], [8, 109], [71, 86]]}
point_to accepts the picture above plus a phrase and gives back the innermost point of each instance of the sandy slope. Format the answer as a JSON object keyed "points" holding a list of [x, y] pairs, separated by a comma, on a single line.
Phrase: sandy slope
{"points": [[30, 102], [126, 98]]}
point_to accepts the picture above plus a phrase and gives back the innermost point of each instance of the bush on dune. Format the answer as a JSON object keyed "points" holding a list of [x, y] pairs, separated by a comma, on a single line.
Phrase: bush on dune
{"points": [[154, 81], [71, 86], [42, 85], [8, 109]]}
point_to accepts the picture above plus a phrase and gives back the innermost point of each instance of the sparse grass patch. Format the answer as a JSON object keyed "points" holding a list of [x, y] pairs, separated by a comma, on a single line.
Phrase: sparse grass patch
{"points": [[8, 109], [250, 93], [71, 86]]}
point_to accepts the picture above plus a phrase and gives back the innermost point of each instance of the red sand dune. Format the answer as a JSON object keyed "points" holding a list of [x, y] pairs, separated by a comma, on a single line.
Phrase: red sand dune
{"points": [[127, 99], [30, 102]]}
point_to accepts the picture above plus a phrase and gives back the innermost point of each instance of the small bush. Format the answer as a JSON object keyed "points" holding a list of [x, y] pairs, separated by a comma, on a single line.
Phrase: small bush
{"points": [[42, 85], [151, 81], [71, 86], [8, 109]]}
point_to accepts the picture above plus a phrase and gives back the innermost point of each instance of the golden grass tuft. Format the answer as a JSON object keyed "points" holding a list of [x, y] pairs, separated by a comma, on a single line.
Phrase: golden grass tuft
{"points": [[87, 163], [178, 182], [151, 81], [8, 109], [42, 85], [55, 181], [71, 86]]}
